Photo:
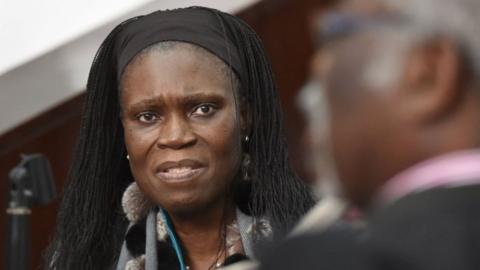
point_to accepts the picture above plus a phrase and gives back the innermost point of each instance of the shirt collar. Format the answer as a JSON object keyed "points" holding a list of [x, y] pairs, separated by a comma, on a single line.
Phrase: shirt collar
{"points": [[453, 169]]}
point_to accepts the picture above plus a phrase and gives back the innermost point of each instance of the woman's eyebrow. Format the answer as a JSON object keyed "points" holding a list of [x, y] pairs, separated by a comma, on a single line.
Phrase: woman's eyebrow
{"points": [[145, 103], [202, 97], [188, 99]]}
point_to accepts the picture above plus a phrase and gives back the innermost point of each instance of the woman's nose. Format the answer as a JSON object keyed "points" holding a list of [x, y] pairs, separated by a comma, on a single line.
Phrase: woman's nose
{"points": [[176, 133]]}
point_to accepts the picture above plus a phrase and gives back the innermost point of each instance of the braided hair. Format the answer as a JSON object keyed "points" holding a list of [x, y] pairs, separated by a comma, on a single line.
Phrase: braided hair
{"points": [[91, 224]]}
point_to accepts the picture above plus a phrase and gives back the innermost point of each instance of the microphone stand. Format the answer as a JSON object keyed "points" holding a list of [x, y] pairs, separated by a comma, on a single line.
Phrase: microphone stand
{"points": [[18, 211], [30, 184]]}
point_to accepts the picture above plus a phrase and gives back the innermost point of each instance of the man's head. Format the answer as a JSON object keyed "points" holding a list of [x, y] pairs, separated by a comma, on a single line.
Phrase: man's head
{"points": [[402, 90]]}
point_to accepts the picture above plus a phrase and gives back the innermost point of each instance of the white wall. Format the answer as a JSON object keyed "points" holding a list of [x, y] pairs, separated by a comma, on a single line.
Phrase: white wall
{"points": [[47, 46], [33, 28]]}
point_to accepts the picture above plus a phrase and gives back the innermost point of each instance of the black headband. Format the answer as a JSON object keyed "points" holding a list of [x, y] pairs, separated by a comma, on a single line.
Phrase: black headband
{"points": [[196, 25]]}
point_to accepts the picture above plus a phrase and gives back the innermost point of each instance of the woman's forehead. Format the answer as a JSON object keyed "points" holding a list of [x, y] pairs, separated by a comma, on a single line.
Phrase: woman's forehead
{"points": [[173, 75], [177, 70]]}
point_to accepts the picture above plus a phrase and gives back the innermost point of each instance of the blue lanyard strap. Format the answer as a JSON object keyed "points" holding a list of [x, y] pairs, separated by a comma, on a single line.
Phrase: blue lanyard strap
{"points": [[173, 238]]}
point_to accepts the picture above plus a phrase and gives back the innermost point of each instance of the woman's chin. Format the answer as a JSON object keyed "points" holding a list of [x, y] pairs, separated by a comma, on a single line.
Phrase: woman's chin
{"points": [[190, 206], [182, 205]]}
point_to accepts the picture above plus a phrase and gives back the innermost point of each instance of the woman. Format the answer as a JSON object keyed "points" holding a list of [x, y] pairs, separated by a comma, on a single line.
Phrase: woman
{"points": [[182, 102]]}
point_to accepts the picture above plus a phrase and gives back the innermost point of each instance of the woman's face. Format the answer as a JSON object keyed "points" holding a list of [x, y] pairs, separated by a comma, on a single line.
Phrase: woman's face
{"points": [[181, 129]]}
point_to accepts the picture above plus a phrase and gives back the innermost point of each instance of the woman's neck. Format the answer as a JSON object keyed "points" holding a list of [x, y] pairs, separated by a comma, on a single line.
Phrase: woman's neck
{"points": [[202, 236]]}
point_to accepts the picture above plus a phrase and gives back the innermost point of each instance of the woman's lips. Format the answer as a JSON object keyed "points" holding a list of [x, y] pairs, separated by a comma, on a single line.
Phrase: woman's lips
{"points": [[179, 171]]}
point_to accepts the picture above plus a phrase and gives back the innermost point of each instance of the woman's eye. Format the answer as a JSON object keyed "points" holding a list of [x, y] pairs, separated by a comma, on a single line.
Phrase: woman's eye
{"points": [[204, 109], [147, 117]]}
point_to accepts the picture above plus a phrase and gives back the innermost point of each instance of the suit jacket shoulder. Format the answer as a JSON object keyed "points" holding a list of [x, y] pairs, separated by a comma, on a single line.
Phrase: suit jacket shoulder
{"points": [[436, 229]]}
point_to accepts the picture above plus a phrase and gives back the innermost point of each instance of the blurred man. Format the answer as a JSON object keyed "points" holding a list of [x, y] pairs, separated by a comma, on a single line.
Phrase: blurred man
{"points": [[404, 99]]}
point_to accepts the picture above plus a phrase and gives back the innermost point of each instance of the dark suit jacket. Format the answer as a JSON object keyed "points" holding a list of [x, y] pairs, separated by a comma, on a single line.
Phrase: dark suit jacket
{"points": [[437, 229]]}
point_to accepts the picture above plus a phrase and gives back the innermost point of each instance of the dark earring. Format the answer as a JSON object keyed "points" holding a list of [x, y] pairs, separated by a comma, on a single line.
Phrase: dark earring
{"points": [[246, 162]]}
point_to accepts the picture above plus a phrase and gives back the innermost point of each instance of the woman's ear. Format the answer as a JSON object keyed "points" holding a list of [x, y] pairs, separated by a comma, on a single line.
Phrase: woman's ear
{"points": [[432, 80]]}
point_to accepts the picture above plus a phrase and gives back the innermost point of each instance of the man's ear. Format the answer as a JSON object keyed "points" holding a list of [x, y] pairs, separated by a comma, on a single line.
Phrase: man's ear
{"points": [[432, 80]]}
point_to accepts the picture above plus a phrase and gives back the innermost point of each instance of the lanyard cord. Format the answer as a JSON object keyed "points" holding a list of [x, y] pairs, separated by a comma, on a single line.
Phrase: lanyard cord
{"points": [[173, 238]]}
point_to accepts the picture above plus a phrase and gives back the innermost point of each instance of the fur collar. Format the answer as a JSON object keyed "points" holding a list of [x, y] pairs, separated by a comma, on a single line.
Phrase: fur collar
{"points": [[137, 207]]}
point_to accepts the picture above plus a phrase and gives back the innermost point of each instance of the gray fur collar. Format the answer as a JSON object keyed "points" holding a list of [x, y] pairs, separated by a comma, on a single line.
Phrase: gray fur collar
{"points": [[137, 207]]}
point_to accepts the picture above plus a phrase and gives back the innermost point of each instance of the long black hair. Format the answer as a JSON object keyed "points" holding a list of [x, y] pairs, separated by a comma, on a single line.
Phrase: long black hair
{"points": [[91, 223]]}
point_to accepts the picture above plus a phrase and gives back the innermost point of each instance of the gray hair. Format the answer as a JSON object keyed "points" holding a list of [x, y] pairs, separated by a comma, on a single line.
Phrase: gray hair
{"points": [[426, 19], [456, 19]]}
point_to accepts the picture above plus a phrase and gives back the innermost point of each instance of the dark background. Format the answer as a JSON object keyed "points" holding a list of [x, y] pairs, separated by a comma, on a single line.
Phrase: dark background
{"points": [[284, 27]]}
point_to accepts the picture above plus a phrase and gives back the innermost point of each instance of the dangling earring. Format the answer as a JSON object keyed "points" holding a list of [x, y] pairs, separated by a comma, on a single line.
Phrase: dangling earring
{"points": [[246, 167], [246, 161]]}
